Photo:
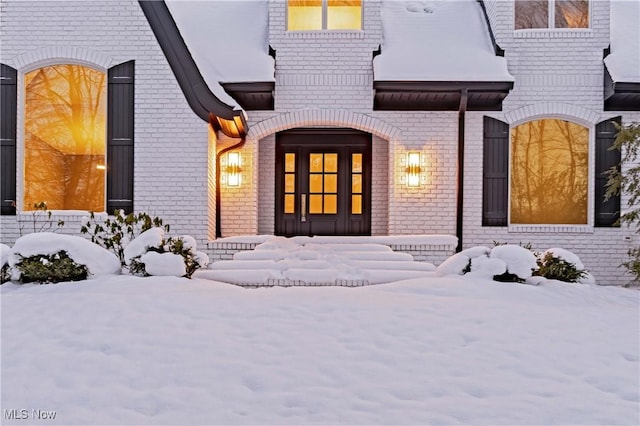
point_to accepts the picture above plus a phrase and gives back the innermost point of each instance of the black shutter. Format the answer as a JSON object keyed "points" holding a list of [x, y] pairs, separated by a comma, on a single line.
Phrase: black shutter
{"points": [[120, 138], [8, 108], [495, 172], [607, 213]]}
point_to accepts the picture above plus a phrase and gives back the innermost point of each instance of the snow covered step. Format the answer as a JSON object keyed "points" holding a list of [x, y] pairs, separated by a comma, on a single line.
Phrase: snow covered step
{"points": [[261, 255], [247, 265], [388, 256], [240, 277], [384, 276], [347, 247], [397, 265]]}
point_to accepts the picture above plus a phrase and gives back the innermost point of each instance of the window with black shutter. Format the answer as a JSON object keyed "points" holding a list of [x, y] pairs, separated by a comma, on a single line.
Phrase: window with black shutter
{"points": [[606, 213], [495, 172], [8, 108], [120, 117]]}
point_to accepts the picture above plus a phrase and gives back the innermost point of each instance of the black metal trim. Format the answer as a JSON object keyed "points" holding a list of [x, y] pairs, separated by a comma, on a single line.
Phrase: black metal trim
{"points": [[619, 95], [252, 95], [497, 49], [449, 95], [460, 180], [442, 86], [199, 96]]}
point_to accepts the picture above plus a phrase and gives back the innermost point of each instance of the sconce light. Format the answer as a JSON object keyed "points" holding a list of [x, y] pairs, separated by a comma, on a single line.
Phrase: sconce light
{"points": [[413, 169], [232, 169], [101, 167]]}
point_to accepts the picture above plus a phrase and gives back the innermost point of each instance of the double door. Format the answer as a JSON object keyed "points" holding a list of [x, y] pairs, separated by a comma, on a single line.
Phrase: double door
{"points": [[323, 183]]}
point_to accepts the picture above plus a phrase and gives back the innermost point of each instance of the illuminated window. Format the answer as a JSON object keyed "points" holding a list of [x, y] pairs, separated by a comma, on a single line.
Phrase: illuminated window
{"points": [[65, 134], [549, 172], [308, 15], [551, 14]]}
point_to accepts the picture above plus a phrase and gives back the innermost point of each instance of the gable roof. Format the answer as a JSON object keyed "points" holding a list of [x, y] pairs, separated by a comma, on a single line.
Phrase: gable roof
{"points": [[197, 51], [622, 73], [438, 55], [228, 41], [437, 41]]}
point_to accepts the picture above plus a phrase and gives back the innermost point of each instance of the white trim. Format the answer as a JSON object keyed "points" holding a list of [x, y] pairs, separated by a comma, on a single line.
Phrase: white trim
{"points": [[45, 56], [324, 117], [575, 113], [551, 229]]}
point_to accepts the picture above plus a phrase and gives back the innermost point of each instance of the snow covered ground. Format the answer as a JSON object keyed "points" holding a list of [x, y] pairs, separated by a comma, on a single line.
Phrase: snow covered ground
{"points": [[434, 350]]}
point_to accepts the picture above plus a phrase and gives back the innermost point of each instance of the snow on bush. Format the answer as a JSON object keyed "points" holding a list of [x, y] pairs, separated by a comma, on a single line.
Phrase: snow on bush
{"points": [[520, 261], [486, 267], [565, 255], [98, 260], [163, 264], [4, 267], [151, 238], [153, 241], [459, 263], [563, 265], [4, 254]]}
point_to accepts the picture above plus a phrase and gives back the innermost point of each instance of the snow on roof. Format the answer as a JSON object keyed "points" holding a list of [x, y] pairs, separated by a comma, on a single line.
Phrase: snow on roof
{"points": [[623, 63], [227, 40], [437, 41]]}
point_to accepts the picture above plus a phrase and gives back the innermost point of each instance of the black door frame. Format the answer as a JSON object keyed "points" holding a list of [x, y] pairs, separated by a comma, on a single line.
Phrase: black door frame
{"points": [[344, 142]]}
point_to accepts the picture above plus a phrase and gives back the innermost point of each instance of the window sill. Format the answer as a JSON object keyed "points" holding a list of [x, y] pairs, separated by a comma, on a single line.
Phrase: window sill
{"points": [[546, 33], [326, 34], [557, 229]]}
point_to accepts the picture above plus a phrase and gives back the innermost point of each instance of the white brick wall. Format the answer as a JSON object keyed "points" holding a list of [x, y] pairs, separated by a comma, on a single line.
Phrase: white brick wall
{"points": [[558, 73], [171, 167]]}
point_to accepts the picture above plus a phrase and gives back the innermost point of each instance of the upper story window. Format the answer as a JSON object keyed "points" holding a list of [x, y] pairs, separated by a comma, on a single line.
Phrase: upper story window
{"points": [[309, 15], [551, 14]]}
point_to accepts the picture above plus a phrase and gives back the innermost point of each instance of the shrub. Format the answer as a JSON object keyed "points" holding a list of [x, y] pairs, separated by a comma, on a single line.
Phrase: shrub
{"points": [[627, 141], [181, 246], [50, 268], [5, 274], [40, 220], [555, 268], [115, 233]]}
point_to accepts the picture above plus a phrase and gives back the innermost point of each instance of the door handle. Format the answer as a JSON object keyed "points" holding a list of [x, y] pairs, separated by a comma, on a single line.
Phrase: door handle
{"points": [[303, 207]]}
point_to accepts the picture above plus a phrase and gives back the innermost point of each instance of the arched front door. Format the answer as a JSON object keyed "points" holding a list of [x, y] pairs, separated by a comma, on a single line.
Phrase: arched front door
{"points": [[323, 182]]}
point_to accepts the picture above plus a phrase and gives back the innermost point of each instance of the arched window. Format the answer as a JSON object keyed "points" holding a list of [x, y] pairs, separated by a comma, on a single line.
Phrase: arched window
{"points": [[65, 138], [549, 172]]}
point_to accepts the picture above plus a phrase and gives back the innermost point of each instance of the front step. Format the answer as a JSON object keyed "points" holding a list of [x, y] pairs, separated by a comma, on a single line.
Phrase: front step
{"points": [[284, 262]]}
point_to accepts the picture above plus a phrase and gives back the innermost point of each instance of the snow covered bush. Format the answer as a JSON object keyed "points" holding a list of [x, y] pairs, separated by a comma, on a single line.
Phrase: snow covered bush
{"points": [[115, 233], [52, 268], [520, 262], [5, 274], [50, 257], [152, 254], [562, 265]]}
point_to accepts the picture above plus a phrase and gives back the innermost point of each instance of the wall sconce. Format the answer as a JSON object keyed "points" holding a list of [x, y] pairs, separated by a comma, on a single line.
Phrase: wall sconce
{"points": [[414, 169], [232, 170]]}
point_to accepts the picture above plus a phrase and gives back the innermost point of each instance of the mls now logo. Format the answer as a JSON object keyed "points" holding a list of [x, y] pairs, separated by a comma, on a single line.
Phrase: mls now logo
{"points": [[23, 414]]}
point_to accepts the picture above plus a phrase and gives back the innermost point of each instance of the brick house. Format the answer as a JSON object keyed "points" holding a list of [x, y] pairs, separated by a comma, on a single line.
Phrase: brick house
{"points": [[487, 120]]}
